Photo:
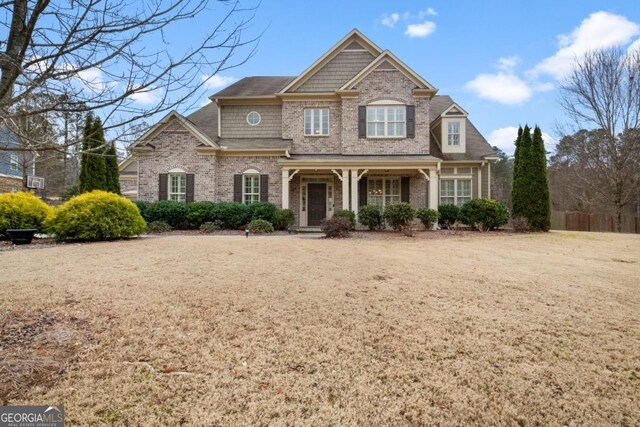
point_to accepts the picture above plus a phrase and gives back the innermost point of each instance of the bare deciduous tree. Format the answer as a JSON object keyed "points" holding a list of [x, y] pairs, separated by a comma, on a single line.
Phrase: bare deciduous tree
{"points": [[603, 94], [110, 56]]}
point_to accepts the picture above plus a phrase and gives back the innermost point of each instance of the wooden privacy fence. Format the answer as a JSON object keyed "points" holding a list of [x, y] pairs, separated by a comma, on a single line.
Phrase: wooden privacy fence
{"points": [[580, 221]]}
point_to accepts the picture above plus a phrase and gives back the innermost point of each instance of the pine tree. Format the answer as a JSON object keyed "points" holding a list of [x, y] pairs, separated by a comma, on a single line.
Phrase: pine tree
{"points": [[113, 174], [92, 167], [539, 214]]}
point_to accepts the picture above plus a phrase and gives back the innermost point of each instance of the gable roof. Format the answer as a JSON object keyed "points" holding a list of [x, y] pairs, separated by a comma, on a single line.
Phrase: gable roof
{"points": [[255, 86], [384, 59], [187, 124], [345, 43]]}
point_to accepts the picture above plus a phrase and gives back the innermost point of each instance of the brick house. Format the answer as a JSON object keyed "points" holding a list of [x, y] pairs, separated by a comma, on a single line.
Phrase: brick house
{"points": [[357, 127], [13, 163]]}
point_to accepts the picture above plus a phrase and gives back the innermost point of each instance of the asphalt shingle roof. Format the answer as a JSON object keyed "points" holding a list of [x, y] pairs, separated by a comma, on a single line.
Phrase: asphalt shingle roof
{"points": [[256, 86]]}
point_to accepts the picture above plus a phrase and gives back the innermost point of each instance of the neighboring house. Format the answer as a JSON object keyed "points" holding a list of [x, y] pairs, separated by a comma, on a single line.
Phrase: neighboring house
{"points": [[357, 127], [11, 162]]}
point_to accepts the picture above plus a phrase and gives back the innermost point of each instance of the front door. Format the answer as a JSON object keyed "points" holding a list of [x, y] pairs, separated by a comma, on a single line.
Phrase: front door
{"points": [[317, 208]]}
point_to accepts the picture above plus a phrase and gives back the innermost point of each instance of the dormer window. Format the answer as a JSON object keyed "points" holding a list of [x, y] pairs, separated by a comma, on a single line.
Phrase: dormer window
{"points": [[453, 133], [316, 122], [386, 121]]}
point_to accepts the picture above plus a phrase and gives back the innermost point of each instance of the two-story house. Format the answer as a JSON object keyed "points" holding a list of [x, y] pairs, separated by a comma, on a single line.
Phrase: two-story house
{"points": [[12, 163], [357, 127]]}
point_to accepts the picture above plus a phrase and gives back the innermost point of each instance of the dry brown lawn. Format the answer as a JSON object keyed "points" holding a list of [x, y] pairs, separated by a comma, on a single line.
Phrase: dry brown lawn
{"points": [[540, 329]]}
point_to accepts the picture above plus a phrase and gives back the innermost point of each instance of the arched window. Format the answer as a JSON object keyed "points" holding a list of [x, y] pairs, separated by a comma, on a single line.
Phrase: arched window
{"points": [[177, 185], [250, 186]]}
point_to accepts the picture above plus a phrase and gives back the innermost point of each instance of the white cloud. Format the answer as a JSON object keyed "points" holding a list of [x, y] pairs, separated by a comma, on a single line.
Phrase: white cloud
{"points": [[505, 138], [390, 20], [600, 30], [427, 12], [635, 46], [502, 87], [216, 81], [508, 64], [420, 30], [146, 97]]}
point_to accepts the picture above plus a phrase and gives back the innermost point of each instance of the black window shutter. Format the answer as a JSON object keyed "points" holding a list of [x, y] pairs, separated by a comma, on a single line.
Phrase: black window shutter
{"points": [[362, 191], [190, 185], [237, 188], [362, 121], [411, 121], [264, 188], [163, 180], [404, 189]]}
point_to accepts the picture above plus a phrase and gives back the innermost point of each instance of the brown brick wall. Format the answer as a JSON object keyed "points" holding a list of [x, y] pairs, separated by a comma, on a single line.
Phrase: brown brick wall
{"points": [[7, 184], [231, 165]]}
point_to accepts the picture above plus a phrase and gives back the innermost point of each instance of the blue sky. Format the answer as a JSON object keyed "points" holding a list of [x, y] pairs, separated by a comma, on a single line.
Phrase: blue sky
{"points": [[501, 60]]}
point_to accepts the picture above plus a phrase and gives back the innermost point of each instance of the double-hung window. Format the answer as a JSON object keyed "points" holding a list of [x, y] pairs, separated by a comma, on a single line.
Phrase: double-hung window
{"points": [[14, 162], [383, 191], [386, 121], [453, 133], [251, 188], [177, 187], [316, 122], [455, 191]]}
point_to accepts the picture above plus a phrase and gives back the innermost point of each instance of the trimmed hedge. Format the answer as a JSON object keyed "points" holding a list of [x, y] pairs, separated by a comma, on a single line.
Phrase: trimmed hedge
{"points": [[283, 219], [261, 210], [173, 213], [345, 213], [371, 217], [448, 215], [336, 227], [260, 226], [399, 216], [97, 215], [232, 215], [198, 213], [428, 217], [22, 210], [484, 214]]}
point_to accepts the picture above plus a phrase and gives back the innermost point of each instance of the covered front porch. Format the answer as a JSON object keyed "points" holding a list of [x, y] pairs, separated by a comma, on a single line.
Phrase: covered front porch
{"points": [[315, 186]]}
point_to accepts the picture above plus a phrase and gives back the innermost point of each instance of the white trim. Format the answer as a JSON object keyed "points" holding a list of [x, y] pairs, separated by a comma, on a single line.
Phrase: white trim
{"points": [[177, 173], [444, 124], [244, 192], [488, 180], [479, 182], [329, 182], [464, 112], [386, 121], [304, 119], [259, 118], [455, 188], [384, 102]]}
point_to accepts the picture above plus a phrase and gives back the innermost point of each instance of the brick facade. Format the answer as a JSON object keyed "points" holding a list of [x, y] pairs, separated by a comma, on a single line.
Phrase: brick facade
{"points": [[7, 184], [293, 127]]}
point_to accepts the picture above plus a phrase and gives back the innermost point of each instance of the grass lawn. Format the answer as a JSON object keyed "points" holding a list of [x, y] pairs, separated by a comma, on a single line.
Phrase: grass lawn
{"points": [[539, 329]]}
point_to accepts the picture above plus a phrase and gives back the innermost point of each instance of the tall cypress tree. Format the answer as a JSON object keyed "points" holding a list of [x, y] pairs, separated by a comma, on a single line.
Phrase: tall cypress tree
{"points": [[113, 174], [522, 174], [92, 167], [539, 214], [515, 189]]}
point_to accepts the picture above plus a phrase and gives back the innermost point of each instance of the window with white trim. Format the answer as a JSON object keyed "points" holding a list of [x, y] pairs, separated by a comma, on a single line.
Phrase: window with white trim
{"points": [[455, 191], [177, 190], [253, 118], [250, 188], [386, 121], [453, 133], [383, 191], [14, 162], [316, 121]]}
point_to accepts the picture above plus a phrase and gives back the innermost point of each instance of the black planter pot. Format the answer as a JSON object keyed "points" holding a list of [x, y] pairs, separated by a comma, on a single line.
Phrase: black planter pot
{"points": [[21, 236]]}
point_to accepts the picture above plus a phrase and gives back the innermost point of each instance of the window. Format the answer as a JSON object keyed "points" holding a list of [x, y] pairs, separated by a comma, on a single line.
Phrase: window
{"points": [[453, 133], [383, 191], [316, 121], [253, 118], [177, 187], [455, 191], [14, 162], [251, 188], [386, 121], [14, 189]]}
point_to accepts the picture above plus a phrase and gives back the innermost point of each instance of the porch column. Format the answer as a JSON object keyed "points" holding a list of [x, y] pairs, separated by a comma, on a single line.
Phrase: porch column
{"points": [[354, 190], [433, 189], [345, 189], [285, 188]]}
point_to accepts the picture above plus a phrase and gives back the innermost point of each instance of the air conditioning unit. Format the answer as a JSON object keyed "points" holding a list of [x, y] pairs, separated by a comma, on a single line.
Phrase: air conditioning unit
{"points": [[35, 182]]}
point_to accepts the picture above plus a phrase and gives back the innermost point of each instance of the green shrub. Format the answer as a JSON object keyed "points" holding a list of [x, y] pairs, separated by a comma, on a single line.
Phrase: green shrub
{"points": [[261, 210], [97, 215], [428, 217], [143, 207], [399, 216], [200, 212], [210, 227], [22, 210], [283, 219], [448, 215], [158, 227], [336, 227], [484, 214], [232, 215], [371, 217], [260, 226], [169, 211], [345, 213]]}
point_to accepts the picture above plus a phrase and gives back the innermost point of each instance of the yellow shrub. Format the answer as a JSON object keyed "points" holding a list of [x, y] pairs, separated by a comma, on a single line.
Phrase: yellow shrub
{"points": [[22, 210], [97, 215]]}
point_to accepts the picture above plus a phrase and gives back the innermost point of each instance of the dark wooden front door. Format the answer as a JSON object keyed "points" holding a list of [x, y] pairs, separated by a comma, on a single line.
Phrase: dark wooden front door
{"points": [[317, 209]]}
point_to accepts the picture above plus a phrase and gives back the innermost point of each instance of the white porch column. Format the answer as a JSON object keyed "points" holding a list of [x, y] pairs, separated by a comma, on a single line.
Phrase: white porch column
{"points": [[480, 182], [285, 188], [354, 190], [433, 189], [345, 189]]}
